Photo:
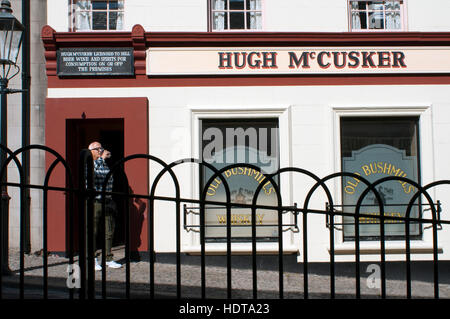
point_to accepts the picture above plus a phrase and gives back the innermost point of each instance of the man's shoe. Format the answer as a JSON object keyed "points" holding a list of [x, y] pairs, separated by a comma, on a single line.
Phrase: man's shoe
{"points": [[97, 265], [113, 264]]}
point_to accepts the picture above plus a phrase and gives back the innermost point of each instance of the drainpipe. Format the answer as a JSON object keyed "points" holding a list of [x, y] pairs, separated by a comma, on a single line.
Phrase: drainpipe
{"points": [[26, 114]]}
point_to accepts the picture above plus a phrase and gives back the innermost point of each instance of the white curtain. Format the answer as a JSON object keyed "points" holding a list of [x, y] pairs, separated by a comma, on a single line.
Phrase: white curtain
{"points": [[356, 16], [219, 17], [120, 16], [83, 15], [393, 17], [255, 17], [356, 20]]}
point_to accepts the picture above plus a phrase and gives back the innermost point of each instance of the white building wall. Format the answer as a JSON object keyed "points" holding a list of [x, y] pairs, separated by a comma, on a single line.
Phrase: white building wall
{"points": [[167, 15], [305, 16], [309, 133], [429, 16], [58, 15], [278, 15]]}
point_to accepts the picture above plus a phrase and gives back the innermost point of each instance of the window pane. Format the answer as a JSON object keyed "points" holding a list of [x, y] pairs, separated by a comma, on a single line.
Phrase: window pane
{"points": [[237, 20], [354, 5], [393, 5], [375, 5], [99, 5], [99, 20], [374, 149], [254, 4], [376, 20], [82, 20], [393, 21], [228, 142], [83, 5], [236, 4], [220, 21], [113, 21], [359, 20], [254, 20], [113, 5], [220, 5]]}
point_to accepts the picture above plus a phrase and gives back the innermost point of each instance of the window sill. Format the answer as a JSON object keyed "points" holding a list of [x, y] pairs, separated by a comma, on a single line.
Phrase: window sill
{"points": [[240, 249], [366, 248]]}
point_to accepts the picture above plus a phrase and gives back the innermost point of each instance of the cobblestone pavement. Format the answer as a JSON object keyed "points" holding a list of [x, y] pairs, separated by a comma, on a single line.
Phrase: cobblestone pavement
{"points": [[216, 278]]}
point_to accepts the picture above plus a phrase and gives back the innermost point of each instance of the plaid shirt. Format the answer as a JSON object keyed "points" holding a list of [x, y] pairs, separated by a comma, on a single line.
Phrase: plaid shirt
{"points": [[101, 169]]}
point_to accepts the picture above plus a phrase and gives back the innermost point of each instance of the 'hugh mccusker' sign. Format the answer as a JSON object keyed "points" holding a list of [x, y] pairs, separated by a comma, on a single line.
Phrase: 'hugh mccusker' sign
{"points": [[297, 60], [95, 62]]}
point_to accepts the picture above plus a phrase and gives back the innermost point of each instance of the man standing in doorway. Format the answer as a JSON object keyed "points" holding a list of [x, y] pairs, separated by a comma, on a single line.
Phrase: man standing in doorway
{"points": [[101, 169]]}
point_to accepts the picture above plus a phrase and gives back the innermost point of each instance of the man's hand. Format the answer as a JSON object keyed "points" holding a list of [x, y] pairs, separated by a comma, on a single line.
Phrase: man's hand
{"points": [[106, 154]]}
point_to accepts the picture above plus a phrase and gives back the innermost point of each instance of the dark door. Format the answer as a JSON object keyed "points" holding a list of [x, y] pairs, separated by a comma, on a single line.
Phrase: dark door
{"points": [[110, 133]]}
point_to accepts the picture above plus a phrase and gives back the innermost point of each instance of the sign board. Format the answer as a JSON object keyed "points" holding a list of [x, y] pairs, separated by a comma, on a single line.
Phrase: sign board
{"points": [[95, 62], [297, 60], [374, 162], [243, 182]]}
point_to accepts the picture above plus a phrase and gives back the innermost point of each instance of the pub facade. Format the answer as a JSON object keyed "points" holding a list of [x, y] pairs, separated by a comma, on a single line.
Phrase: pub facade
{"points": [[353, 86]]}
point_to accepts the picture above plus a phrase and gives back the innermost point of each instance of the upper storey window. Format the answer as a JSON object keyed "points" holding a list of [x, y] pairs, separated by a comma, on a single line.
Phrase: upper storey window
{"points": [[376, 15], [236, 15], [97, 15]]}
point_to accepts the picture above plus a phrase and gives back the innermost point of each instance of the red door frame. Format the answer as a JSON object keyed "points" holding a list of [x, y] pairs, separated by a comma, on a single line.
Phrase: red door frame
{"points": [[134, 111]]}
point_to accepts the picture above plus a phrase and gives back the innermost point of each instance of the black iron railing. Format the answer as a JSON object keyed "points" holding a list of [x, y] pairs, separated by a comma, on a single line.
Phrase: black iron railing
{"points": [[84, 193]]}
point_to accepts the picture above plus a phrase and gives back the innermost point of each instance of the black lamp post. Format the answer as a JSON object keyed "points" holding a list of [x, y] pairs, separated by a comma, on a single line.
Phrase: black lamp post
{"points": [[11, 34]]}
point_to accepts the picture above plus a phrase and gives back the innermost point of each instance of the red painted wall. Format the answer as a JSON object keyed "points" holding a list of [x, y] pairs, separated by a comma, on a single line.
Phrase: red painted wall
{"points": [[134, 111]]}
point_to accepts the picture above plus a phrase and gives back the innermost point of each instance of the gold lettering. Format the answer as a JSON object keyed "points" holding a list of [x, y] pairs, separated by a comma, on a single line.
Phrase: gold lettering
{"points": [[211, 191], [349, 190], [240, 219], [366, 170], [260, 218]]}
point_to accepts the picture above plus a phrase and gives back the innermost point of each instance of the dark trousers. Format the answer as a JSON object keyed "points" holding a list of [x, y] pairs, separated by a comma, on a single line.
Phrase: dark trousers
{"points": [[110, 212]]}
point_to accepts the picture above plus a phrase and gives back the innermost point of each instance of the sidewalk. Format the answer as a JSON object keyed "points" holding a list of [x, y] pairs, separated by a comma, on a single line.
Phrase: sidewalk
{"points": [[216, 278]]}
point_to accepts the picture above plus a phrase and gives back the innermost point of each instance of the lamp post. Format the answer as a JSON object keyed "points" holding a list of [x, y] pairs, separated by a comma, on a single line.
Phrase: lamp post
{"points": [[11, 34]]}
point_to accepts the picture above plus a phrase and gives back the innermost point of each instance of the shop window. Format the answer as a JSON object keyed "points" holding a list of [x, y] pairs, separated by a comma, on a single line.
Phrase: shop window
{"points": [[376, 15], [236, 15], [375, 148], [97, 15], [227, 142]]}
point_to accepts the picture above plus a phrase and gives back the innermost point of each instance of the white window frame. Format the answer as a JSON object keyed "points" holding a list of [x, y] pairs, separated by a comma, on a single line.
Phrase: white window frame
{"points": [[72, 17], [191, 242], [395, 249], [211, 11], [403, 14]]}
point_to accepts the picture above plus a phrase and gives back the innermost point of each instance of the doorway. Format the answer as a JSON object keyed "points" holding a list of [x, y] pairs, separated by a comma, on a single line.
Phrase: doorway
{"points": [[110, 133]]}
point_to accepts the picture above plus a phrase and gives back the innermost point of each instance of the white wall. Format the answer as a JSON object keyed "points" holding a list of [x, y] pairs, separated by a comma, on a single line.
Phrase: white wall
{"points": [[166, 15], [305, 15], [58, 15], [279, 15], [428, 16]]}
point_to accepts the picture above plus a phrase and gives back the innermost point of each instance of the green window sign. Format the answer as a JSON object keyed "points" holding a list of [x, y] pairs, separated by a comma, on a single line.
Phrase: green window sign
{"points": [[246, 142], [374, 148]]}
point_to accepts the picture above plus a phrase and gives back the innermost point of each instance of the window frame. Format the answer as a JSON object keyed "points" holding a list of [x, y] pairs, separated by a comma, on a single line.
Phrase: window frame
{"points": [[235, 123], [237, 111], [416, 121], [72, 16], [211, 18], [427, 169], [403, 14]]}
